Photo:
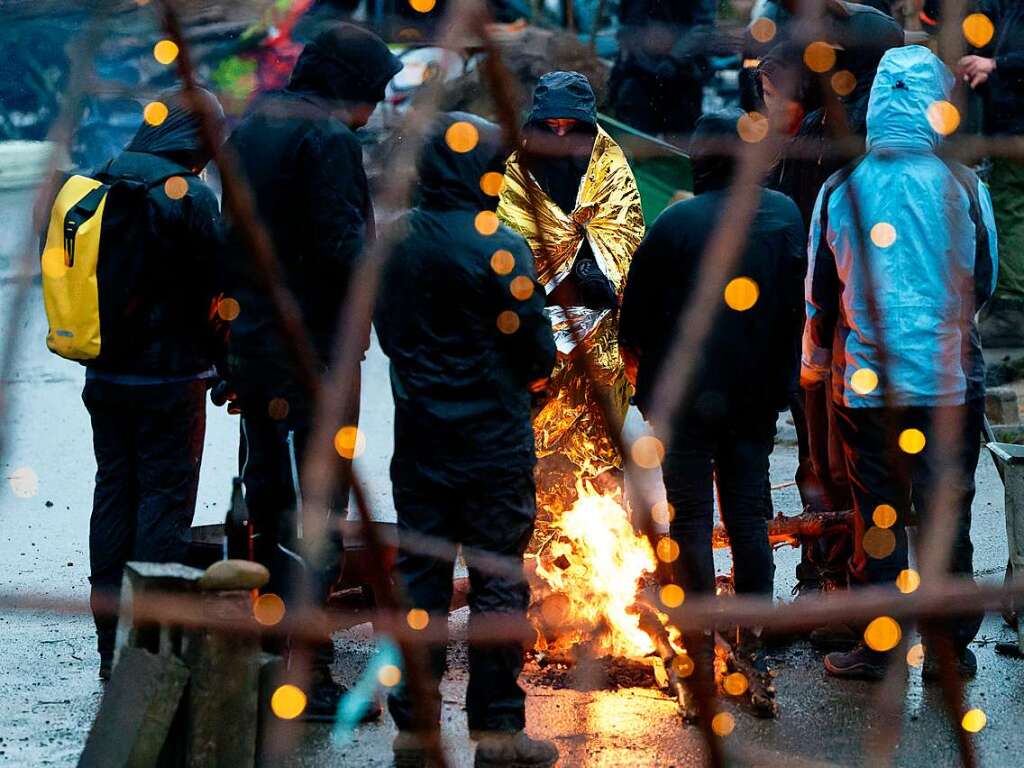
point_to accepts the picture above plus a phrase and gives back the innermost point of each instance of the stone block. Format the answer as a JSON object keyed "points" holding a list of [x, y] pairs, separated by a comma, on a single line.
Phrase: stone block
{"points": [[137, 712], [1001, 405]]}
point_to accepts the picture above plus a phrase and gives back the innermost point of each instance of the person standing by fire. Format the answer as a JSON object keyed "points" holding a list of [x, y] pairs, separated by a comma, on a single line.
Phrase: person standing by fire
{"points": [[725, 430], [570, 192], [461, 317]]}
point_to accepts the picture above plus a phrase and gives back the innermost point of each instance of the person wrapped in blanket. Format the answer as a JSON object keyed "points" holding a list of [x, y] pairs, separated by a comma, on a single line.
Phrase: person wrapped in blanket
{"points": [[570, 192]]}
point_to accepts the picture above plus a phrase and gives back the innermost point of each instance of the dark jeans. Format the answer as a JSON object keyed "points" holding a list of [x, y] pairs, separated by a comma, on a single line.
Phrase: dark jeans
{"points": [[148, 442], [823, 483], [494, 517], [736, 458], [880, 473]]}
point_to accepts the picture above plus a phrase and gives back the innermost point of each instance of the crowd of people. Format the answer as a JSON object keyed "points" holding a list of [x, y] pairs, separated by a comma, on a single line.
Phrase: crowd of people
{"points": [[525, 304]]}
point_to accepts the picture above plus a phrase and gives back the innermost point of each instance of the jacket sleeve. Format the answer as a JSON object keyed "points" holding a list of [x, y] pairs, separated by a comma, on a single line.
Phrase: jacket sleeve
{"points": [[530, 347], [636, 310], [821, 298], [986, 258], [204, 245], [791, 281]]}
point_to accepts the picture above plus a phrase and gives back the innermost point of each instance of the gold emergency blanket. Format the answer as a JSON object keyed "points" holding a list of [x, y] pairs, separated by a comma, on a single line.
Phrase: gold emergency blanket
{"points": [[608, 213]]}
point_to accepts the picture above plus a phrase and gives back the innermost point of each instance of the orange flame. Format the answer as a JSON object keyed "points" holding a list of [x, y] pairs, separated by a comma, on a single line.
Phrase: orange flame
{"points": [[591, 571]]}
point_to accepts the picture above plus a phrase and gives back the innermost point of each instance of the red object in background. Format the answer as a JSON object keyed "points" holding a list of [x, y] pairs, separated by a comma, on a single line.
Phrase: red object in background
{"points": [[278, 52]]}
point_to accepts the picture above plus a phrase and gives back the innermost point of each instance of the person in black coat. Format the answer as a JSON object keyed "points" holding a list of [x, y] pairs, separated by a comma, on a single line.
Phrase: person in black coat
{"points": [[725, 429], [461, 316], [657, 82], [995, 69], [147, 403], [298, 151]]}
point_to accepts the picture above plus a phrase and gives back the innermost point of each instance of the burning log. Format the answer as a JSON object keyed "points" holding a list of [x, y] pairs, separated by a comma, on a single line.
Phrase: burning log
{"points": [[676, 665], [793, 529]]}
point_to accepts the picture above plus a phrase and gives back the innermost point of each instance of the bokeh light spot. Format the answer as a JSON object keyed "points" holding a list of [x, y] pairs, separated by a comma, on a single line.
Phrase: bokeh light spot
{"points": [[752, 127], [389, 676], [228, 309], [884, 516], [155, 112], [268, 609], [422, 6], [912, 441], [667, 549], [908, 581], [723, 724], [278, 409], [165, 51], [682, 665], [864, 381], [819, 57], [843, 82], [647, 452], [735, 684], [943, 117], [486, 223], [502, 262], [883, 234], [53, 264], [288, 702], [974, 720], [882, 634], [521, 287], [978, 29], [741, 294], [418, 619], [672, 595], [350, 442], [879, 543], [663, 513], [915, 655], [491, 183], [508, 322], [176, 187], [461, 137], [24, 482], [763, 30]]}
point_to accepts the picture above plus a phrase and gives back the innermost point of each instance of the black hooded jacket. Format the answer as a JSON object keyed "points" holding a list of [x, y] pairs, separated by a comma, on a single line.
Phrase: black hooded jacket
{"points": [[1004, 105], [461, 316], [747, 365], [304, 167], [171, 331], [862, 35]]}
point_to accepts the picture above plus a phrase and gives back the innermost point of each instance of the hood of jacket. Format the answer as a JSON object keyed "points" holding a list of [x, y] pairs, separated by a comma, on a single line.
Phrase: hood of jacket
{"points": [[179, 136], [901, 109], [345, 63], [711, 150], [563, 95], [449, 179]]}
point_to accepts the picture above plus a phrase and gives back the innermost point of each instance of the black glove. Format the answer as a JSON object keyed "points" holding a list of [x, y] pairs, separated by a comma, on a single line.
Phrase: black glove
{"points": [[222, 393]]}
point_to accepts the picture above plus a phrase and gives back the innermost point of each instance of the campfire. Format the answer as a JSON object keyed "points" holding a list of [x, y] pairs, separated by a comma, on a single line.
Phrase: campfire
{"points": [[589, 572]]}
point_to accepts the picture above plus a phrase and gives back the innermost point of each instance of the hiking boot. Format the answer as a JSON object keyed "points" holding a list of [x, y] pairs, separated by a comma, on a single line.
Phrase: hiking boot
{"points": [[322, 703], [966, 665], [106, 667], [834, 637], [409, 751], [514, 750], [1002, 324], [861, 663]]}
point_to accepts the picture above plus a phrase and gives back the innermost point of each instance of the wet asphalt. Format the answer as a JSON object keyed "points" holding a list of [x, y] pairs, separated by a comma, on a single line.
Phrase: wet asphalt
{"points": [[48, 662]]}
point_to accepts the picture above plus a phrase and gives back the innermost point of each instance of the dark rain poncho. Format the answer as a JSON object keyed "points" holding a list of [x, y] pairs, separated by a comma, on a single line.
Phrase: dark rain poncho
{"points": [[463, 346]]}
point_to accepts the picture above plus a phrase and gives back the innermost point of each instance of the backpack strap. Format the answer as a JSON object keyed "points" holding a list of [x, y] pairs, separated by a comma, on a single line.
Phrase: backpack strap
{"points": [[84, 210]]}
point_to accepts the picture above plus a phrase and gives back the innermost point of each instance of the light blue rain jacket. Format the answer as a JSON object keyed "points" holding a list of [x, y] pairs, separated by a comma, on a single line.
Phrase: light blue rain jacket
{"points": [[929, 240]]}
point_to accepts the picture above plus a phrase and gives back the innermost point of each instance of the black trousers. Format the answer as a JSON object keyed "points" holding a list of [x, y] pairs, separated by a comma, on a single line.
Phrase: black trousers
{"points": [[496, 517], [880, 473], [736, 457], [148, 442]]}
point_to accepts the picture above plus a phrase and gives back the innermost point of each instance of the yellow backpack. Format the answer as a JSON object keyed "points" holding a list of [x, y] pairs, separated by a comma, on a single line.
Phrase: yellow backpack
{"points": [[93, 265]]}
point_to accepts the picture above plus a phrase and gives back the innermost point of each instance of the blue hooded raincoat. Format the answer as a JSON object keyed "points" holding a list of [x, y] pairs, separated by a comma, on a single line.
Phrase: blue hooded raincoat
{"points": [[924, 228]]}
